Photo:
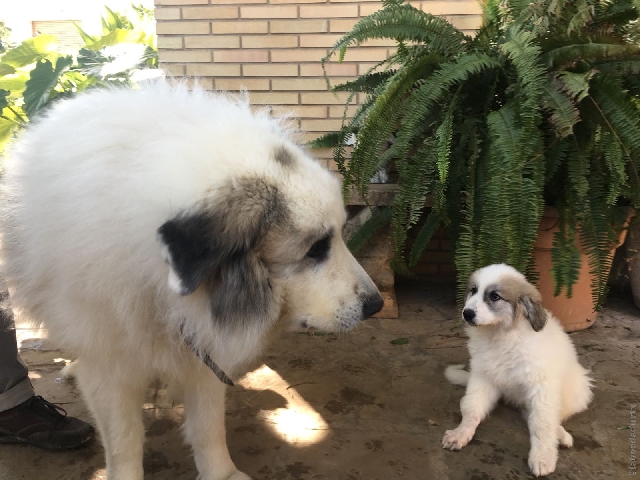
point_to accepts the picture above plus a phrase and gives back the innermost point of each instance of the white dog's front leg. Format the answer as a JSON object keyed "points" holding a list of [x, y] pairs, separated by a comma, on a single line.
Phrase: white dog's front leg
{"points": [[204, 427], [478, 401], [116, 404], [544, 427]]}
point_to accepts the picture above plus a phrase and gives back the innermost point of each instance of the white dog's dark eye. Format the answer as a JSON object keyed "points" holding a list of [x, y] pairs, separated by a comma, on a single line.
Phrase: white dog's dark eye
{"points": [[494, 297], [473, 290], [320, 250]]}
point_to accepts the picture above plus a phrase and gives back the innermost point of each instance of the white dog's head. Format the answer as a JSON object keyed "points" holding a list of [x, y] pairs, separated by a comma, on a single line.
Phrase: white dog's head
{"points": [[267, 242], [499, 295]]}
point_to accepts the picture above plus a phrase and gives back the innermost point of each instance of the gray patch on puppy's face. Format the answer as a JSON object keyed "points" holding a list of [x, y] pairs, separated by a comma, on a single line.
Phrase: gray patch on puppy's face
{"points": [[496, 298], [284, 156], [523, 297]]}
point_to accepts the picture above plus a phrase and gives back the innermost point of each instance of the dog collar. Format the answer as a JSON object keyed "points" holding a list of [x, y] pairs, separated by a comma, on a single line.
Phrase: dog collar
{"points": [[206, 359]]}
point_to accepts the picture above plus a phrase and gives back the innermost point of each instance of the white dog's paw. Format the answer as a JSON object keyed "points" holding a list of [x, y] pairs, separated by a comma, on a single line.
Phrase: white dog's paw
{"points": [[68, 373], [456, 439], [543, 462], [239, 476], [564, 438]]}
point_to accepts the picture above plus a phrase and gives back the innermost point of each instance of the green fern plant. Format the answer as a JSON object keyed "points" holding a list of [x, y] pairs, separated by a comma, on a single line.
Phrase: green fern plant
{"points": [[540, 107]]}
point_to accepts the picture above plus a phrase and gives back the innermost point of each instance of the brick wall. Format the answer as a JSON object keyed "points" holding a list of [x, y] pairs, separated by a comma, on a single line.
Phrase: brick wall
{"points": [[273, 49]]}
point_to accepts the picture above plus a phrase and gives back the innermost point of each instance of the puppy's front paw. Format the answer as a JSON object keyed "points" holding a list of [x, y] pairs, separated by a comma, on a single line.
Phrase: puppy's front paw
{"points": [[456, 439], [543, 462], [565, 439]]}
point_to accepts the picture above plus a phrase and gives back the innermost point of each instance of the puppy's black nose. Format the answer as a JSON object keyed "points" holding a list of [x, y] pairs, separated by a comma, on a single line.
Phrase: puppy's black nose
{"points": [[372, 305], [469, 315]]}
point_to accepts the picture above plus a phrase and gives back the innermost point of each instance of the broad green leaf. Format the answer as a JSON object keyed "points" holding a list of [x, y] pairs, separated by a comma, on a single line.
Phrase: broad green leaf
{"points": [[41, 83], [78, 81], [3, 99], [31, 50], [6, 69], [14, 82], [400, 341], [117, 37], [85, 36], [111, 21], [90, 61], [7, 127]]}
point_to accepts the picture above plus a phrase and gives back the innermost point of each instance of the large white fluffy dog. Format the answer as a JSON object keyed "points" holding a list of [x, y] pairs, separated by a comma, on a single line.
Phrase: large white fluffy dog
{"points": [[143, 227], [519, 352]]}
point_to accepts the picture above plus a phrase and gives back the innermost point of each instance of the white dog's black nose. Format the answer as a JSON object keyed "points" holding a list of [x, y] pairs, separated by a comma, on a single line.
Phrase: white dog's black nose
{"points": [[469, 315], [372, 305]]}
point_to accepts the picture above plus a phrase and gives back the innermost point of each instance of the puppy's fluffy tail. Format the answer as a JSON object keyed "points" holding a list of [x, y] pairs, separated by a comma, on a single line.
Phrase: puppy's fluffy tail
{"points": [[457, 375]]}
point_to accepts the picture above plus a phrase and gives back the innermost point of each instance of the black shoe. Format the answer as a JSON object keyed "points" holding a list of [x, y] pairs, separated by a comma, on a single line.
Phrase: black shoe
{"points": [[43, 424]]}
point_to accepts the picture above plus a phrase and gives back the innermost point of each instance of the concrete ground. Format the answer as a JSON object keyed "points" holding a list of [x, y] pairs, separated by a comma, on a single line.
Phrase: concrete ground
{"points": [[358, 407]]}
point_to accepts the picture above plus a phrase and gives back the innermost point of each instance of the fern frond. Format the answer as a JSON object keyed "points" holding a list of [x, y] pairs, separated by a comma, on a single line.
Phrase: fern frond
{"points": [[614, 157], [582, 17], [365, 83], [404, 23], [564, 112], [628, 67], [619, 115], [383, 118], [425, 234], [444, 134], [568, 56], [380, 217], [328, 140], [565, 254], [416, 180], [575, 84], [425, 98]]}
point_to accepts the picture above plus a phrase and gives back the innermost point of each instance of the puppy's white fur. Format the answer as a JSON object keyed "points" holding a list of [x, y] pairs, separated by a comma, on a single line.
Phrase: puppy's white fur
{"points": [[102, 199], [535, 370]]}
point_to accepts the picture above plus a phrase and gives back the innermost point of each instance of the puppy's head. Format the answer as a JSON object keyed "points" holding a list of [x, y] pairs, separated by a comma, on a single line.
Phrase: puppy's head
{"points": [[268, 243], [499, 295]]}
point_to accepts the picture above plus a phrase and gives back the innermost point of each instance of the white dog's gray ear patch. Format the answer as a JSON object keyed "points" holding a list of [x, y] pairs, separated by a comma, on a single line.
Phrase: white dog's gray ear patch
{"points": [[215, 243], [188, 251], [535, 313]]}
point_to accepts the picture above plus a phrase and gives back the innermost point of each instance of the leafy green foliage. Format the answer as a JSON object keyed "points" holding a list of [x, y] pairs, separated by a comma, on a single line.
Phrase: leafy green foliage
{"points": [[34, 74], [379, 218], [540, 108], [30, 51], [42, 80]]}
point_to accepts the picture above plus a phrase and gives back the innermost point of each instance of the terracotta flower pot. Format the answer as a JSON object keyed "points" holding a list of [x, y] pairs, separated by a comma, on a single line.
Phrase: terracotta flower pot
{"points": [[577, 312]]}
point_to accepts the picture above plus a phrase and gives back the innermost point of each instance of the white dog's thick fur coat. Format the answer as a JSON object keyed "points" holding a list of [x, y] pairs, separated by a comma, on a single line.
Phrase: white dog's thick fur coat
{"points": [[520, 353], [130, 215]]}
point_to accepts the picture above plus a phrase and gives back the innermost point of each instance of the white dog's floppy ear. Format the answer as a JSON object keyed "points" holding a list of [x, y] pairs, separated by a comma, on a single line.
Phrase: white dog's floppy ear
{"points": [[189, 250], [215, 241], [534, 312]]}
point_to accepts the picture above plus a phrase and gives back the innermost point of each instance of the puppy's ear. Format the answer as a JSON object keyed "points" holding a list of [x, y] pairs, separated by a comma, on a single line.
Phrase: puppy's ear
{"points": [[216, 237], [534, 312]]}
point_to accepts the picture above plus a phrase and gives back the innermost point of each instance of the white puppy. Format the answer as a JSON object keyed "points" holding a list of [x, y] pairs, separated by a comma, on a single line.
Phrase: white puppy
{"points": [[520, 353], [141, 227]]}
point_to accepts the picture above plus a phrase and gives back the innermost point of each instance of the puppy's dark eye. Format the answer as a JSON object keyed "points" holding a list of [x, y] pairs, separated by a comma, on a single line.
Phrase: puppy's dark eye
{"points": [[473, 290], [320, 250], [494, 297]]}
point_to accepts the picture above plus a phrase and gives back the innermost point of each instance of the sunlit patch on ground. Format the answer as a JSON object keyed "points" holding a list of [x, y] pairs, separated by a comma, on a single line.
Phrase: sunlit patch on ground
{"points": [[100, 474], [297, 423]]}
